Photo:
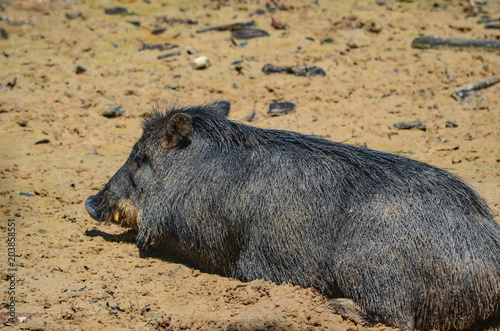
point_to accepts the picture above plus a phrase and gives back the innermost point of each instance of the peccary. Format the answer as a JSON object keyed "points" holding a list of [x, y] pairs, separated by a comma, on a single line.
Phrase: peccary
{"points": [[389, 239]]}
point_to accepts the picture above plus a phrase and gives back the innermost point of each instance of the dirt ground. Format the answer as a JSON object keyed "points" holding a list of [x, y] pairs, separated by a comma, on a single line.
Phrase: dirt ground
{"points": [[57, 148]]}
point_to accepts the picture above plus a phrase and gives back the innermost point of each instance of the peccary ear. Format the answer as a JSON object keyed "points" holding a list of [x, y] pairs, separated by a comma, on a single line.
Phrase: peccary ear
{"points": [[178, 130], [221, 107]]}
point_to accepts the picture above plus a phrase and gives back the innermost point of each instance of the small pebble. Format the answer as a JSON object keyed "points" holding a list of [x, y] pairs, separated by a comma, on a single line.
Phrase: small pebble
{"points": [[450, 124], [80, 70], [135, 23], [249, 33], [201, 62], [170, 54], [4, 33], [116, 11], [278, 108], [113, 112], [158, 31], [410, 125]]}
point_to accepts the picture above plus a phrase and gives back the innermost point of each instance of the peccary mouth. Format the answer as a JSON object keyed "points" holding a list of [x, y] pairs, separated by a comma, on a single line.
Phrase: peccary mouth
{"points": [[123, 212]]}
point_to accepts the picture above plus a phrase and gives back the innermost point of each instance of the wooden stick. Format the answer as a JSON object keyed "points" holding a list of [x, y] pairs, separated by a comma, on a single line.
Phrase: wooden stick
{"points": [[251, 117], [492, 26], [488, 20], [459, 43], [233, 26], [462, 93], [174, 53]]}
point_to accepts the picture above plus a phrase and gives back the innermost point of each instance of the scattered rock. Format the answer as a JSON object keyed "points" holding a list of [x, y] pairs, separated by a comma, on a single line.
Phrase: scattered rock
{"points": [[279, 108], [232, 27], [277, 25], [160, 47], [4, 33], [201, 62], [353, 22], [9, 84], [465, 92], [263, 11], [428, 42], [249, 33], [303, 71], [175, 87], [113, 112], [410, 125], [135, 23], [158, 31], [251, 116], [80, 70], [174, 53], [492, 26], [74, 16], [116, 11], [454, 148]]}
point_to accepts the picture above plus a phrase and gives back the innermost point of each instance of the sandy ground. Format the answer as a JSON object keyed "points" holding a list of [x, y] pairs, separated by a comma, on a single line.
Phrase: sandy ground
{"points": [[73, 273]]}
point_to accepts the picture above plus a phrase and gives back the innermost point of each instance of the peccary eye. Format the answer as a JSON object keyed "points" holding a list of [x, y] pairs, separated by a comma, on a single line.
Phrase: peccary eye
{"points": [[140, 170], [144, 166], [141, 160]]}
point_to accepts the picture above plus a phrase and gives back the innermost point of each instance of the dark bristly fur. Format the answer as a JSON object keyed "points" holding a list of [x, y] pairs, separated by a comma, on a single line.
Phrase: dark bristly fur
{"points": [[408, 243]]}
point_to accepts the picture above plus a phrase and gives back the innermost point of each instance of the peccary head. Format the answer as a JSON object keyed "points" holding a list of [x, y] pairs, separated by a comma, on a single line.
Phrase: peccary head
{"points": [[138, 184]]}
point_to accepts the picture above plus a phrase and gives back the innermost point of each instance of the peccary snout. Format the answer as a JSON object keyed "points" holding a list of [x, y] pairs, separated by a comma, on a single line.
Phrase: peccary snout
{"points": [[91, 206]]}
